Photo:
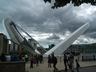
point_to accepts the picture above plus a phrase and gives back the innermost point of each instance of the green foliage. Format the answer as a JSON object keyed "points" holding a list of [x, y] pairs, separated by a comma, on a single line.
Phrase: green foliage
{"points": [[61, 3], [47, 1]]}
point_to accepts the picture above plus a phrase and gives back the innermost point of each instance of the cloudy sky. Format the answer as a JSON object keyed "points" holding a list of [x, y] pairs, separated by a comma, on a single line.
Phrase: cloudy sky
{"points": [[48, 25]]}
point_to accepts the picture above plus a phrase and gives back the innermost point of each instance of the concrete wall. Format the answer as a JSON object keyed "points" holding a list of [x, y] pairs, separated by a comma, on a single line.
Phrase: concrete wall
{"points": [[12, 66]]}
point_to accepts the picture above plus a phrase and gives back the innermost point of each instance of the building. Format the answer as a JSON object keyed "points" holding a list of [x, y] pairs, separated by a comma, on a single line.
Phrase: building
{"points": [[4, 44], [84, 51]]}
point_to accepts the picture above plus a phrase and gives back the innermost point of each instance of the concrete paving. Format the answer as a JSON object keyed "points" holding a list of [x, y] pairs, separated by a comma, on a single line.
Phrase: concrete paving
{"points": [[87, 66], [83, 69]]}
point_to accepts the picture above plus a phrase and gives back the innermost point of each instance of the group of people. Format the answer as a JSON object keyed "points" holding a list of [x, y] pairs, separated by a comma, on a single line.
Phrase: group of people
{"points": [[52, 60], [36, 59], [69, 61], [11, 57], [20, 57]]}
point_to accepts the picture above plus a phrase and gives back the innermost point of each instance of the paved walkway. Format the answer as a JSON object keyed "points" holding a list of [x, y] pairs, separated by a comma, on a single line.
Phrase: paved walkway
{"points": [[84, 69], [88, 66]]}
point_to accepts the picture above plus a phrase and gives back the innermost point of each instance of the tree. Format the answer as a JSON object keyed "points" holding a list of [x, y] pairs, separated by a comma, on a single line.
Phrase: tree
{"points": [[51, 46], [61, 3]]}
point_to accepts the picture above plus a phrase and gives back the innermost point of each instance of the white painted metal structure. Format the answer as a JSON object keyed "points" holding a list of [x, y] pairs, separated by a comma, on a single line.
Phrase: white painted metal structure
{"points": [[17, 38], [13, 32], [60, 48]]}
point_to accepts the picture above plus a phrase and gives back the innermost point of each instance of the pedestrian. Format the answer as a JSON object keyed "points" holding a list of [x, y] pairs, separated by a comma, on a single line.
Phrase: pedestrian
{"points": [[54, 61], [94, 57], [31, 61], [37, 59], [41, 58], [71, 62], [3, 57], [26, 58], [20, 57], [49, 61], [77, 65], [65, 61]]}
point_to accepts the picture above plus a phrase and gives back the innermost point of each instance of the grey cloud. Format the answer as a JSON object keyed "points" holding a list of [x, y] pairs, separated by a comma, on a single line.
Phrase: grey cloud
{"points": [[92, 34], [64, 15], [54, 36], [35, 15]]}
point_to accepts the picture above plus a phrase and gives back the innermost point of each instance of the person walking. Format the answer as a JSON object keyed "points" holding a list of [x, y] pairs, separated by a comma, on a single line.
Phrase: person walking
{"points": [[31, 61], [71, 62], [77, 65], [3, 57], [26, 58], [41, 58], [49, 61], [65, 61], [54, 61], [37, 59]]}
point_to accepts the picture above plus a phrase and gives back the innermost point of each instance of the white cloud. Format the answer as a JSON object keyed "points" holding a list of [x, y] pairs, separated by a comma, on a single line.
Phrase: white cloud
{"points": [[85, 11], [84, 40], [40, 21]]}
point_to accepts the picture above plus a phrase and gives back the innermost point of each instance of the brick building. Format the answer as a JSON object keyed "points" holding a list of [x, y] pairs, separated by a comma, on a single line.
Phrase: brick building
{"points": [[4, 44]]}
